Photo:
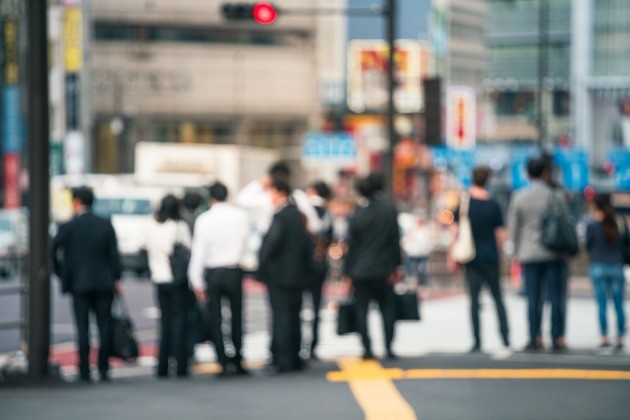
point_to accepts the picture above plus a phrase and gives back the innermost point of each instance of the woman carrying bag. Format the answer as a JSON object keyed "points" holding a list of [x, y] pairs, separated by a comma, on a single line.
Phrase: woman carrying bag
{"points": [[167, 230]]}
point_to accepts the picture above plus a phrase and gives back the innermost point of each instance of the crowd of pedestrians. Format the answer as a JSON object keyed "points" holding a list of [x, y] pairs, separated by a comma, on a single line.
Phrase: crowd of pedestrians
{"points": [[295, 230]]}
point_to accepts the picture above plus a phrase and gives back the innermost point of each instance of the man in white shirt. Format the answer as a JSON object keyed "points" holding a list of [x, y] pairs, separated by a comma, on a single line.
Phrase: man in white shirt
{"points": [[219, 242]]}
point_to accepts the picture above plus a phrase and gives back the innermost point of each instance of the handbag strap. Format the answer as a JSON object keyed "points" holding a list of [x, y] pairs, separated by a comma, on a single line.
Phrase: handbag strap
{"points": [[119, 301], [464, 204]]}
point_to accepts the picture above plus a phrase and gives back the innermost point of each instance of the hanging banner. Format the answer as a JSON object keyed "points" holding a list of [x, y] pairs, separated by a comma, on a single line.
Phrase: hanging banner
{"points": [[460, 117], [73, 39]]}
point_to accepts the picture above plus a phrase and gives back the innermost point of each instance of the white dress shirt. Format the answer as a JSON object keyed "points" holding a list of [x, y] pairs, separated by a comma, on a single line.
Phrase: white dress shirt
{"points": [[219, 240], [160, 239]]}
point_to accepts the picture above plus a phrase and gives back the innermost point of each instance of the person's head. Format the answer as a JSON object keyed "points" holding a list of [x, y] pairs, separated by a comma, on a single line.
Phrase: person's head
{"points": [[320, 189], [169, 209], [604, 205], [82, 198], [624, 106], [481, 175], [191, 201], [536, 168], [279, 191], [364, 188], [280, 170], [377, 182], [218, 192]]}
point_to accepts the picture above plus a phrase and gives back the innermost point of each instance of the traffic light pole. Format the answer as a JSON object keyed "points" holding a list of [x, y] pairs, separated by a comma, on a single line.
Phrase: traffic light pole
{"points": [[388, 158], [39, 267]]}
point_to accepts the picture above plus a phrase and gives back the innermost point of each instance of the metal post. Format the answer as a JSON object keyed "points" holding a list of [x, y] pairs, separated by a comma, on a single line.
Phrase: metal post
{"points": [[543, 35], [388, 156], [39, 270]]}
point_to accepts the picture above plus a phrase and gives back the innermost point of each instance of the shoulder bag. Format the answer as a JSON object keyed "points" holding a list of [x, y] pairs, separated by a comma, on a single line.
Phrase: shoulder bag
{"points": [[463, 250], [123, 341], [625, 240], [179, 260], [558, 230]]}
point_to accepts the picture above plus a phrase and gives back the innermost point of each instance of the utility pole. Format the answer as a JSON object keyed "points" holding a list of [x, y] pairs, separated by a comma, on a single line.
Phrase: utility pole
{"points": [[39, 267], [543, 57], [388, 158]]}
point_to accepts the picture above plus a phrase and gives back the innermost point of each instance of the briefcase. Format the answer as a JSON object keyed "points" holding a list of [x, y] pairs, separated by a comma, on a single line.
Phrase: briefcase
{"points": [[406, 305], [123, 341], [346, 317]]}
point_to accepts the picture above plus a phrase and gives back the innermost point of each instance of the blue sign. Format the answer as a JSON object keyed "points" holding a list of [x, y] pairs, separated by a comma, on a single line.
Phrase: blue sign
{"points": [[574, 166], [518, 163], [329, 146], [621, 160], [459, 162], [11, 119]]}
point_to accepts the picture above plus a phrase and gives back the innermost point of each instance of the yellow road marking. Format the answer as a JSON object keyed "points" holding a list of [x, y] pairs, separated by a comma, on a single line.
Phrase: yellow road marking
{"points": [[576, 374], [374, 391]]}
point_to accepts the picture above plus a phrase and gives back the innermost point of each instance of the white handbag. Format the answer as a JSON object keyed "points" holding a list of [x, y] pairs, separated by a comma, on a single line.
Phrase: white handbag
{"points": [[463, 249]]}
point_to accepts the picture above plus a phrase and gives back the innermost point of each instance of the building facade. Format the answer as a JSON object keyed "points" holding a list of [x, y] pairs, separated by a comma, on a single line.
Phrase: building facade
{"points": [[529, 51], [178, 71]]}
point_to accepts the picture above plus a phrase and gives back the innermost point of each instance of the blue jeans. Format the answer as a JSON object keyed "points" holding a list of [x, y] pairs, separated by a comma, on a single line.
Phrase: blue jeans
{"points": [[608, 279], [541, 276]]}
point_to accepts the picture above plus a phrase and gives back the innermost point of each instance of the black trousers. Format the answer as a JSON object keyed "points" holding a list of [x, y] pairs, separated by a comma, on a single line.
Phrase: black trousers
{"points": [[226, 283], [315, 291], [100, 303], [286, 329], [383, 293], [172, 299], [549, 276], [477, 274]]}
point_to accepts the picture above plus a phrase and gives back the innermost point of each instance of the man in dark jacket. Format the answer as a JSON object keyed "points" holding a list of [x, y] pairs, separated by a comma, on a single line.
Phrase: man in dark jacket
{"points": [[86, 260], [374, 258], [285, 256]]}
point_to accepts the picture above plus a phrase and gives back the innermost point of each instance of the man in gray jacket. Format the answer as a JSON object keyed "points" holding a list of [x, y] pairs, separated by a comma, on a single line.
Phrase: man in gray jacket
{"points": [[542, 268]]}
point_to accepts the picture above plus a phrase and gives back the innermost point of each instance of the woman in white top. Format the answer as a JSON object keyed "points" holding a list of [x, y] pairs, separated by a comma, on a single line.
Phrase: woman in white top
{"points": [[167, 229]]}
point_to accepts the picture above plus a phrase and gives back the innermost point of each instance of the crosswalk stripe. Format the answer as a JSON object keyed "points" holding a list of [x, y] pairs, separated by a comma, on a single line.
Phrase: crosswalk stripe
{"points": [[374, 390]]}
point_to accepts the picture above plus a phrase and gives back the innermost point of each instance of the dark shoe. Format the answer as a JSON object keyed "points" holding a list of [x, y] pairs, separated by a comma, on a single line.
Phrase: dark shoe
{"points": [[476, 349], [559, 347], [619, 348], [104, 377], [533, 348], [391, 355], [241, 371], [368, 355]]}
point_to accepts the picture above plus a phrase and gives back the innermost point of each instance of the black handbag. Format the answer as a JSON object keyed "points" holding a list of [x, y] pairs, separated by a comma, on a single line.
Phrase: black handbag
{"points": [[558, 230], [347, 317], [625, 240], [179, 259], [123, 341], [406, 305]]}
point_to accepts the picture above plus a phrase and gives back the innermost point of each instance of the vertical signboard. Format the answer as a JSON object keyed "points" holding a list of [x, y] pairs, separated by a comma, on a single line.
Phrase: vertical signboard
{"points": [[460, 117], [74, 143], [11, 118], [367, 76]]}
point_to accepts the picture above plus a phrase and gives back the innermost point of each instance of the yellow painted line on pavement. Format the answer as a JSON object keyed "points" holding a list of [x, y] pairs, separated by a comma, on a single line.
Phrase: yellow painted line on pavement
{"points": [[373, 389], [575, 374]]}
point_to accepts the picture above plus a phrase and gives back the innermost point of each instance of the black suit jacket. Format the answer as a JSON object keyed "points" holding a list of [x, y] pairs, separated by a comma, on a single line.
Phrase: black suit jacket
{"points": [[85, 255], [373, 241], [286, 251]]}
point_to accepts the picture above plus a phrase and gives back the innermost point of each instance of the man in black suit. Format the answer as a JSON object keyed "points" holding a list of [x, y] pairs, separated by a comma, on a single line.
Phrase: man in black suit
{"points": [[86, 260], [373, 260], [285, 258]]}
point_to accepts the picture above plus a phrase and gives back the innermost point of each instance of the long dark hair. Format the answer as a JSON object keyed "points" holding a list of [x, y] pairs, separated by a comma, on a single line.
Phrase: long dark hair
{"points": [[169, 209], [609, 224]]}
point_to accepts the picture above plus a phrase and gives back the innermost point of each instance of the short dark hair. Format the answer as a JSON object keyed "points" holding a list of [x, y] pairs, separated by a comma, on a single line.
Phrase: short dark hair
{"points": [[280, 170], [364, 187], [169, 209], [480, 175], [191, 200], [218, 191], [322, 190], [536, 167], [281, 185], [84, 194], [377, 181]]}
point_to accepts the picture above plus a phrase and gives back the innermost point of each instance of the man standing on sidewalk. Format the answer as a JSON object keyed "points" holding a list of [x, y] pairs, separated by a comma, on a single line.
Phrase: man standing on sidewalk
{"points": [[541, 267], [219, 241], [285, 257], [86, 259]]}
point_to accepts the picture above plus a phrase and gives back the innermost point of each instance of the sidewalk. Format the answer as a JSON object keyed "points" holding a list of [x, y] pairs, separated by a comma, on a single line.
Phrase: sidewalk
{"points": [[444, 329]]}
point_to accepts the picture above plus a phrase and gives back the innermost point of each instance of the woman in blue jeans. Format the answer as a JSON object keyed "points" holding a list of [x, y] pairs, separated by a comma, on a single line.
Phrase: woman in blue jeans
{"points": [[604, 243]]}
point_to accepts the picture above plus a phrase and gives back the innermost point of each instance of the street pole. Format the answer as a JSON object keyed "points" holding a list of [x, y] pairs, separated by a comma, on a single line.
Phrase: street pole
{"points": [[388, 158], [543, 41], [39, 267]]}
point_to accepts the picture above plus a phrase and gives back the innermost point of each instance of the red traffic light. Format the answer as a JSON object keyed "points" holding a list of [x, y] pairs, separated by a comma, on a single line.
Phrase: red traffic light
{"points": [[264, 13]]}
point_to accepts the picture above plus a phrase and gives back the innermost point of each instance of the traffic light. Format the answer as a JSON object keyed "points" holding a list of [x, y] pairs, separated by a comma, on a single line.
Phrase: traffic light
{"points": [[260, 12], [433, 111]]}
